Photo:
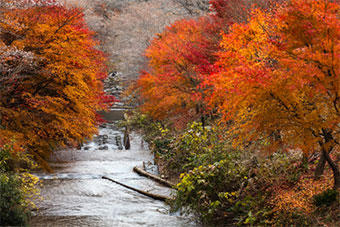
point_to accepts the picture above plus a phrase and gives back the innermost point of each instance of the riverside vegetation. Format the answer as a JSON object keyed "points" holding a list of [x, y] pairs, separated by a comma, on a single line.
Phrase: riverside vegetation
{"points": [[241, 108]]}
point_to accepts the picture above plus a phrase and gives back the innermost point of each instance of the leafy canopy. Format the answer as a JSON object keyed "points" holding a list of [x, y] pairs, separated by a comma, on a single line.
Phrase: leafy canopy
{"points": [[50, 78]]}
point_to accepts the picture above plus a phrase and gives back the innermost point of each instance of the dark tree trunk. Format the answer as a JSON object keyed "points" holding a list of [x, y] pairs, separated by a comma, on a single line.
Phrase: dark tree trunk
{"points": [[327, 147], [334, 167], [203, 121], [320, 167], [126, 139]]}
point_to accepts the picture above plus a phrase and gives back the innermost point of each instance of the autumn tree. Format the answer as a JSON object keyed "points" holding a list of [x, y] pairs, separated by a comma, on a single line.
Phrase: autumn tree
{"points": [[50, 77], [179, 60], [279, 79]]}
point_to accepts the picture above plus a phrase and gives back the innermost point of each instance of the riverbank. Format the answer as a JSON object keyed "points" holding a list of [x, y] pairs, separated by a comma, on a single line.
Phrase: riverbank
{"points": [[225, 185]]}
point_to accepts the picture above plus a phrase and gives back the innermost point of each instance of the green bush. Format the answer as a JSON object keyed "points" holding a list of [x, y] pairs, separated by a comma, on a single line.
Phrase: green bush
{"points": [[195, 146], [233, 190], [213, 190], [219, 183], [157, 135], [12, 202], [15, 187], [325, 198]]}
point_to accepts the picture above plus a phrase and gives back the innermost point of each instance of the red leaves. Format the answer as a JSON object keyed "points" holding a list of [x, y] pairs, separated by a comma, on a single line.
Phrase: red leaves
{"points": [[179, 61], [105, 100]]}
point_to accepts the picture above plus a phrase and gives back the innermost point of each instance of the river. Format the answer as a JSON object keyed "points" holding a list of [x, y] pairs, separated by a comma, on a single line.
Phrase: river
{"points": [[76, 195]]}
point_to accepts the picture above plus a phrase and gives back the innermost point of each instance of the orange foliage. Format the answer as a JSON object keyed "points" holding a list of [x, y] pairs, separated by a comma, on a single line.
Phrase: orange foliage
{"points": [[179, 60], [300, 197], [280, 75], [276, 77], [50, 78], [279, 80]]}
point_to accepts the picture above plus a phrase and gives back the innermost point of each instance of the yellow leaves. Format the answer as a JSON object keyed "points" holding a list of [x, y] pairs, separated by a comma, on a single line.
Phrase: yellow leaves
{"points": [[30, 188]]}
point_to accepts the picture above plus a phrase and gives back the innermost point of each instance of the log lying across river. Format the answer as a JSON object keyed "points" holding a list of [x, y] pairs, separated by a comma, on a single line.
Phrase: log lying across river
{"points": [[151, 195], [153, 177]]}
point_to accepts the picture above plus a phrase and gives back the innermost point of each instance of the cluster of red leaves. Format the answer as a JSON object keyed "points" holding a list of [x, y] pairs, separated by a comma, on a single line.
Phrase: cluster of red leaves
{"points": [[180, 59]]}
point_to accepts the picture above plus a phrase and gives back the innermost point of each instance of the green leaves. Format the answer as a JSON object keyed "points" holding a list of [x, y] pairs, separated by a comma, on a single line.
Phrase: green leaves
{"points": [[17, 186]]}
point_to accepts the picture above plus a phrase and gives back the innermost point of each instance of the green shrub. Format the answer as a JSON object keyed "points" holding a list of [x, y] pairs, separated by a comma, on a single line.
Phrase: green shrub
{"points": [[16, 187], [157, 135], [325, 198], [212, 191], [234, 190], [12, 202], [196, 146], [219, 183]]}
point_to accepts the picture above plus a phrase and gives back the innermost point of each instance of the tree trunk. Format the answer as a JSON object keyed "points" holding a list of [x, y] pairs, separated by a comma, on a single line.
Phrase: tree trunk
{"points": [[126, 139], [203, 121], [151, 195], [327, 147], [334, 167], [320, 167], [153, 177]]}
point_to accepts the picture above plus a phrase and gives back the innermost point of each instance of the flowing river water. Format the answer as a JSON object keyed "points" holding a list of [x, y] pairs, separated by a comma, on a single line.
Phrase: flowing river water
{"points": [[76, 195]]}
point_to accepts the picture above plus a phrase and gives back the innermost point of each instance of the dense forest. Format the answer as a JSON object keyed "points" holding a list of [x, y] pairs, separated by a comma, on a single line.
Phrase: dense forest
{"points": [[239, 100]]}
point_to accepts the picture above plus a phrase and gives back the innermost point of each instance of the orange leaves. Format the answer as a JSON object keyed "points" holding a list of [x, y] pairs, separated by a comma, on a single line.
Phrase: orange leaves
{"points": [[51, 81], [267, 74], [274, 77], [179, 60], [300, 197]]}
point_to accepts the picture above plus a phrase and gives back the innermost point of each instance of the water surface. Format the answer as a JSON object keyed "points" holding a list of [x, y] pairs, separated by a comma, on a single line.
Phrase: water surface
{"points": [[75, 194]]}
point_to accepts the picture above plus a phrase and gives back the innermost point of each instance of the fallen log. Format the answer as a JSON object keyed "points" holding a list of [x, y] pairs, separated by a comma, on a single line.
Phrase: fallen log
{"points": [[153, 177], [151, 195]]}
